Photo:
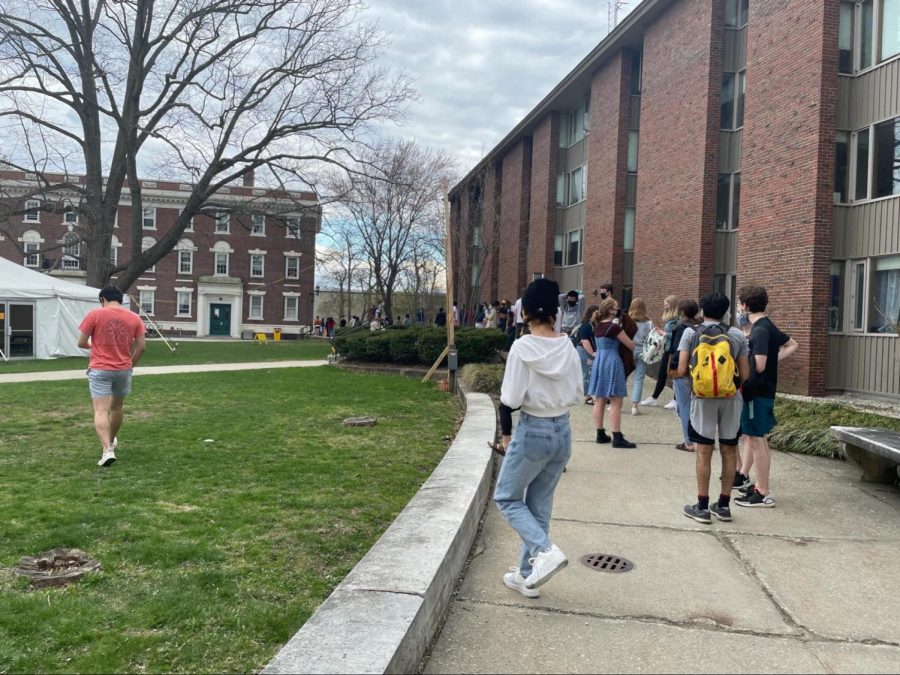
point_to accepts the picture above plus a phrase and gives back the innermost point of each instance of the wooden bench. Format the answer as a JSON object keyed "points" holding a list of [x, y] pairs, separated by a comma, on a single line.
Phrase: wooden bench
{"points": [[875, 451]]}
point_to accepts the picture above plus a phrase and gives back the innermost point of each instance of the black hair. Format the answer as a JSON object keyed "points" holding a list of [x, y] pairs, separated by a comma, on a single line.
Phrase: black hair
{"points": [[714, 306], [111, 293], [572, 294], [608, 287], [689, 308], [755, 297]]}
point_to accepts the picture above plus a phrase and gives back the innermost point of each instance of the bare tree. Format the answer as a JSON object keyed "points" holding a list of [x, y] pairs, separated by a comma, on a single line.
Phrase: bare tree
{"points": [[340, 262], [203, 91], [393, 207]]}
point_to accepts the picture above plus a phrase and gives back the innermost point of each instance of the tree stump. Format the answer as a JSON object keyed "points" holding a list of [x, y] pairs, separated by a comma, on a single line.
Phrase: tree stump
{"points": [[360, 422], [57, 567]]}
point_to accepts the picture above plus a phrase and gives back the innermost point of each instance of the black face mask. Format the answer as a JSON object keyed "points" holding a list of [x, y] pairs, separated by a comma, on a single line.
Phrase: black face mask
{"points": [[604, 295], [572, 303]]}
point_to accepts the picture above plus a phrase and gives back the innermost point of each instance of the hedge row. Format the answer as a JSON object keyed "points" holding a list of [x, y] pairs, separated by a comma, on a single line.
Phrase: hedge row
{"points": [[419, 345]]}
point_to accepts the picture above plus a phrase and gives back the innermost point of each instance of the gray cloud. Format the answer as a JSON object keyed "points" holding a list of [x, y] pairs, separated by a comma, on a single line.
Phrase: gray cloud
{"points": [[481, 65]]}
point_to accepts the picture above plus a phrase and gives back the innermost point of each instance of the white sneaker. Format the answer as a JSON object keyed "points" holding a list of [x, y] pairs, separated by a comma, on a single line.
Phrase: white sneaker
{"points": [[516, 582], [634, 410], [108, 457], [544, 565], [671, 405], [649, 402], [115, 444]]}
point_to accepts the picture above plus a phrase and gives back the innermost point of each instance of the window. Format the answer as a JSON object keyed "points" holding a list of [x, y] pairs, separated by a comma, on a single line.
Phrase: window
{"points": [[292, 228], [858, 295], [558, 243], [571, 188], [221, 252], [632, 160], [292, 267], [257, 265], [573, 248], [885, 315], [146, 244], [574, 124], [147, 300], [732, 103], [290, 308], [726, 284], [836, 289], [890, 29], [183, 303], [71, 251], [114, 250], [886, 159], [149, 221], [862, 165], [258, 228], [256, 307], [185, 250], [845, 38], [728, 201], [576, 186], [737, 13], [637, 64], [628, 243], [31, 246], [869, 33], [70, 217], [223, 222], [32, 211], [841, 167]]}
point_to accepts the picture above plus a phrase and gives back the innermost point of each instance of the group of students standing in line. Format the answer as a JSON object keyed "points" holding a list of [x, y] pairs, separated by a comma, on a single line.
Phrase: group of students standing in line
{"points": [[724, 378]]}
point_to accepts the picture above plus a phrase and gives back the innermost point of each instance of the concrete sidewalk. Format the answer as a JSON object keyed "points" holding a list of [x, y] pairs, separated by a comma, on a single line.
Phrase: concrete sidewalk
{"points": [[56, 375], [809, 586]]}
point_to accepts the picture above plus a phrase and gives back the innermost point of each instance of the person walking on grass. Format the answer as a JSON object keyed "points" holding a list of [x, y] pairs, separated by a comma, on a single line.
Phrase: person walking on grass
{"points": [[115, 337], [638, 312], [608, 373], [670, 322], [768, 346], [586, 348], [715, 357], [542, 377], [687, 311]]}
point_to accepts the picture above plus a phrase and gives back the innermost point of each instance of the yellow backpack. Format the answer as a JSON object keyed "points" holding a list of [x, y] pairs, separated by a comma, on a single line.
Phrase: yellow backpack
{"points": [[712, 363]]}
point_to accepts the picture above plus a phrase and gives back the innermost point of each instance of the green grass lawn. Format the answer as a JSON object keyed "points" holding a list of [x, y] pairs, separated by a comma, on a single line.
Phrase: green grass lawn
{"points": [[191, 352], [213, 553]]}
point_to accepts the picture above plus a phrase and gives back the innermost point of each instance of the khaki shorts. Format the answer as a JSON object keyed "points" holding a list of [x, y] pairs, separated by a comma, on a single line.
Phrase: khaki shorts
{"points": [[106, 383], [711, 417]]}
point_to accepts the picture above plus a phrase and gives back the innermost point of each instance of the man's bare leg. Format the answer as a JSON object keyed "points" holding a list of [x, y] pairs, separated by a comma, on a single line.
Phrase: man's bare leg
{"points": [[116, 414], [703, 464], [729, 465], [102, 421], [762, 457]]}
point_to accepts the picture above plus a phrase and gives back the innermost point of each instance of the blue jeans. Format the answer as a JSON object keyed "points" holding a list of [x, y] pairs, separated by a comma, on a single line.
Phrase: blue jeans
{"points": [[534, 461], [683, 403], [585, 366], [640, 371]]}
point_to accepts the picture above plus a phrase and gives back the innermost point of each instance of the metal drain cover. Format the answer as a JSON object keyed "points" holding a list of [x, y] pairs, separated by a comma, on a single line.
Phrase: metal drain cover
{"points": [[604, 562]]}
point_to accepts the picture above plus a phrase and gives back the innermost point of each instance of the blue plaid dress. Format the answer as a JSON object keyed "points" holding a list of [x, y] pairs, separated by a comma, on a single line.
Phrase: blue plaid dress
{"points": [[608, 373]]}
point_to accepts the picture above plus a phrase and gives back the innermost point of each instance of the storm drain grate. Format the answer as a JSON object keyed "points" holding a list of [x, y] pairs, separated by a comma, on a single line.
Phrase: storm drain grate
{"points": [[604, 562]]}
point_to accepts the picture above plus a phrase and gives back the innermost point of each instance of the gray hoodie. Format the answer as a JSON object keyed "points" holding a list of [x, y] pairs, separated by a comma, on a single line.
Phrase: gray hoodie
{"points": [[543, 376]]}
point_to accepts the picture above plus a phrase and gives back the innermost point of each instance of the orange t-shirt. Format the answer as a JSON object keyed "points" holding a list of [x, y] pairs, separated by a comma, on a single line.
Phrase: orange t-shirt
{"points": [[113, 330]]}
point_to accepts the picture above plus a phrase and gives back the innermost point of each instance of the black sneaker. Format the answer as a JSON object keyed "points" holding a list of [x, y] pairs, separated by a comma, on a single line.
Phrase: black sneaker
{"points": [[740, 481], [620, 442], [756, 500], [723, 513], [700, 515], [602, 437], [747, 490]]}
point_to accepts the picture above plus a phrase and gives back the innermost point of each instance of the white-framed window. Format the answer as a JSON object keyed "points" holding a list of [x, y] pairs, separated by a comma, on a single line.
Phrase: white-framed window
{"points": [[290, 308], [731, 104], [292, 228], [221, 254], [559, 243], [32, 211], [147, 300], [223, 222], [256, 307], [885, 314], [571, 187], [258, 228], [573, 247], [114, 246], [148, 221], [737, 13], [146, 244], [859, 283], [257, 265], [70, 217], [185, 252], [574, 124], [873, 164], [868, 34], [728, 202], [183, 301], [71, 250], [31, 247], [292, 267], [628, 240]]}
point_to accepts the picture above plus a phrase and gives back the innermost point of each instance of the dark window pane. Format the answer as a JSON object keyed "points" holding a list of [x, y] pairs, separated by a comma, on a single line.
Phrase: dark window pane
{"points": [[722, 201], [731, 13], [886, 169], [636, 65], [841, 166], [836, 289], [862, 165], [868, 35], [727, 101], [739, 115], [736, 205], [860, 297], [744, 15], [845, 39]]}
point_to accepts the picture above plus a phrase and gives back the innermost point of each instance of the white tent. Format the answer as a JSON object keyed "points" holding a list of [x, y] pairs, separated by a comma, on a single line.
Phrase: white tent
{"points": [[41, 313]]}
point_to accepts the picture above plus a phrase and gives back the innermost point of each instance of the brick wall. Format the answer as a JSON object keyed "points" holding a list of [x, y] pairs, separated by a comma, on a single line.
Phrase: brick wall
{"points": [[678, 156], [491, 233], [514, 212], [604, 227], [787, 174], [542, 221]]}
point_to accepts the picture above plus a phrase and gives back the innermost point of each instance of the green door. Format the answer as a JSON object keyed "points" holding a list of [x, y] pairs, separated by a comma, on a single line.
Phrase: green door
{"points": [[219, 319]]}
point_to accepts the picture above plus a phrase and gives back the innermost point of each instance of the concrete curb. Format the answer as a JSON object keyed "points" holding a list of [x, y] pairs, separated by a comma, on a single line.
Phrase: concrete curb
{"points": [[383, 615]]}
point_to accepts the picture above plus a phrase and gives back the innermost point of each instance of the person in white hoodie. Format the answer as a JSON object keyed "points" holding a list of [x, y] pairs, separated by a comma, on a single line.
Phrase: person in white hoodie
{"points": [[543, 378]]}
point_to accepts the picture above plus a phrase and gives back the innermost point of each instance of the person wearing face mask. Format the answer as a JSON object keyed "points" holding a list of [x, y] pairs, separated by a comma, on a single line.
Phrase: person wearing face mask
{"points": [[571, 307]]}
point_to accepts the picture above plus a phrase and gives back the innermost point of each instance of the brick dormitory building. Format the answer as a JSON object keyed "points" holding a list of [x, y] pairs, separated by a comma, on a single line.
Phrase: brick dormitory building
{"points": [[707, 144], [236, 268]]}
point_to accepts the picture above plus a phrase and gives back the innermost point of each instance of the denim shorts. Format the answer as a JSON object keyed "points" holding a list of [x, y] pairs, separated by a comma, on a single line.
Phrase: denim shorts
{"points": [[106, 383], [758, 417]]}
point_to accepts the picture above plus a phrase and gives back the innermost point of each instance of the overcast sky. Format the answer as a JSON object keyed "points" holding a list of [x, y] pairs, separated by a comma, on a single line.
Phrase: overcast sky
{"points": [[480, 65]]}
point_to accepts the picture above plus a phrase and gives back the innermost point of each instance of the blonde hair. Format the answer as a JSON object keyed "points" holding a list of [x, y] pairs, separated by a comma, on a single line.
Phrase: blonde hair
{"points": [[604, 309], [638, 310], [671, 313]]}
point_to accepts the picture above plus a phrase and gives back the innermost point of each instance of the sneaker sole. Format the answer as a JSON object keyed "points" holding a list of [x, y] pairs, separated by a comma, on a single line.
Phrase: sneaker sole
{"points": [[761, 505], [527, 592], [109, 462], [724, 519], [699, 520], [540, 582]]}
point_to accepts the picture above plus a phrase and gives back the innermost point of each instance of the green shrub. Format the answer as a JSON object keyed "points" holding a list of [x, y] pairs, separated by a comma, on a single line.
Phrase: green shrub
{"points": [[430, 344], [479, 345], [403, 346], [483, 377], [420, 345], [377, 348]]}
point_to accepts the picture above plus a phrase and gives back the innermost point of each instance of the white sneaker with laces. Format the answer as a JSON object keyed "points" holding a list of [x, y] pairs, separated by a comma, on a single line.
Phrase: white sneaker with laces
{"points": [[516, 582], [671, 405], [108, 457], [544, 565], [115, 444], [649, 402]]}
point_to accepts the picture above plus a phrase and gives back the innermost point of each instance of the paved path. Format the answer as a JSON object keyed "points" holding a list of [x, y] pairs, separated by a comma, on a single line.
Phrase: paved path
{"points": [[810, 586], [162, 370]]}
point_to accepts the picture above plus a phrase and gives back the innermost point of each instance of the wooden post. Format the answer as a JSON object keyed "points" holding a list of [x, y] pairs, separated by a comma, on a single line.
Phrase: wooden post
{"points": [[451, 316]]}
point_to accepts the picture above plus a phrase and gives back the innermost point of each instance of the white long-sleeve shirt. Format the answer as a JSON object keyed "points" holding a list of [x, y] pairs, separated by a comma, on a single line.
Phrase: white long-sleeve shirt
{"points": [[543, 376]]}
